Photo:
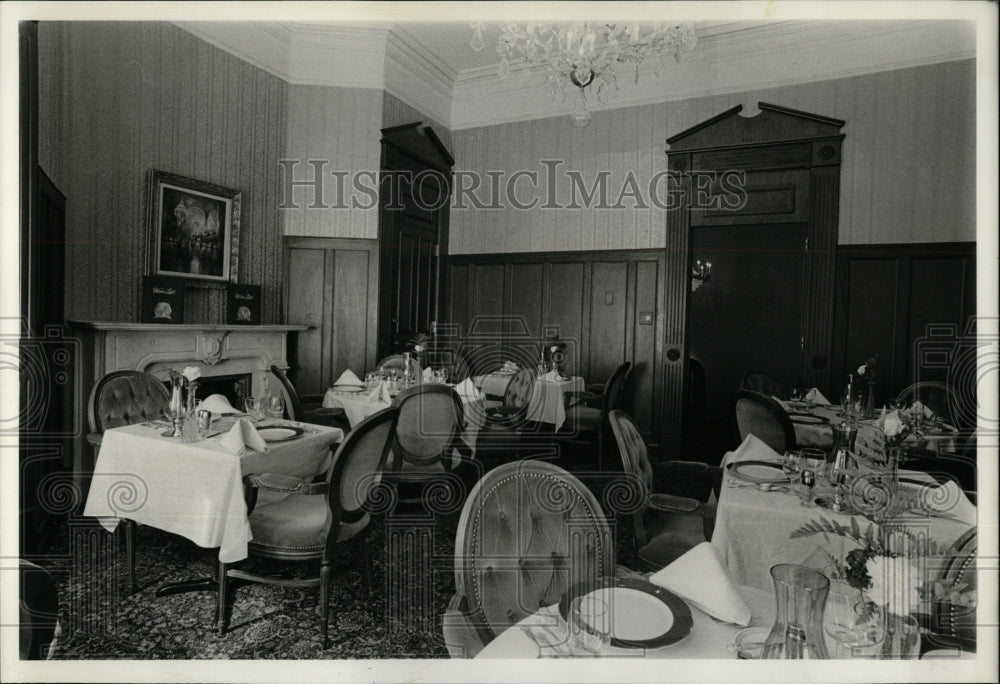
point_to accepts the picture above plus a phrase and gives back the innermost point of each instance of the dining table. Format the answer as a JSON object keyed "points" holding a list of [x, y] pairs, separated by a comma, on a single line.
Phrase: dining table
{"points": [[751, 518], [548, 396], [195, 489], [814, 425]]}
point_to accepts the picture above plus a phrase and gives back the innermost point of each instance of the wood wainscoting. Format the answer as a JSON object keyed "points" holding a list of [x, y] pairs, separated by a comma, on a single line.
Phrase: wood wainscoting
{"points": [[607, 306], [912, 304]]}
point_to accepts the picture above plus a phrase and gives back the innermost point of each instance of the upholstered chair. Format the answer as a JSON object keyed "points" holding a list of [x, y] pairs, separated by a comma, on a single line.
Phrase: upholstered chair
{"points": [[307, 408], [950, 625], [125, 398], [397, 362], [761, 416], [529, 531], [939, 397], [764, 384], [516, 398], [39, 612], [317, 521], [664, 526]]}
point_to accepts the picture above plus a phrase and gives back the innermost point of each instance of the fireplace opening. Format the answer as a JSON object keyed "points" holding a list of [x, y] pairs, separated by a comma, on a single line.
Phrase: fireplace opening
{"points": [[235, 388]]}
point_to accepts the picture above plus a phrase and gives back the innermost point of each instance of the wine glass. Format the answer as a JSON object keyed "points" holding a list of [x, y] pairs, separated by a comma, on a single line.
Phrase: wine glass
{"points": [[796, 397], [443, 374], [856, 629], [255, 408], [791, 465], [590, 623], [276, 406]]}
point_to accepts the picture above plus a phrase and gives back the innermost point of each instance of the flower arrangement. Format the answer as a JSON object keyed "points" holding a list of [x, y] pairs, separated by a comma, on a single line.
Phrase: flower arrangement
{"points": [[887, 567]]}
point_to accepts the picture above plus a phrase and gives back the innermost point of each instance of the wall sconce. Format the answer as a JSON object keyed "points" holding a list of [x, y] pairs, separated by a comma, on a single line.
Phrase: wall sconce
{"points": [[701, 273]]}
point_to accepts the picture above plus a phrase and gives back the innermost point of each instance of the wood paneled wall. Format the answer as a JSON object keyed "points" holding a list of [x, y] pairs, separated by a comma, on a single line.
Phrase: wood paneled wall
{"points": [[597, 301], [910, 304], [120, 98], [332, 286], [910, 142]]}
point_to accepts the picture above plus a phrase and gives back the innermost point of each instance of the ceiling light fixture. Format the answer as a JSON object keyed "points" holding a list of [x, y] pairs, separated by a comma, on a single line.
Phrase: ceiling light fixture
{"points": [[584, 54]]}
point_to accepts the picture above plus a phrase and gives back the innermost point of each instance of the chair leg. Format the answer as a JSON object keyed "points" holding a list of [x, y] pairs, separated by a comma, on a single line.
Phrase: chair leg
{"points": [[324, 597], [366, 554], [130, 528], [220, 615]]}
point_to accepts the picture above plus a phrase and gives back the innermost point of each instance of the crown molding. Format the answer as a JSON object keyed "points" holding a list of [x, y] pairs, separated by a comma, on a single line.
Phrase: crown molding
{"points": [[417, 77], [747, 58]]}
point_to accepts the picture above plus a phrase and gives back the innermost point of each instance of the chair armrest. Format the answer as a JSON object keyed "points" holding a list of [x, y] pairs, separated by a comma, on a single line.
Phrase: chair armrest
{"points": [[95, 439], [668, 503], [464, 635]]}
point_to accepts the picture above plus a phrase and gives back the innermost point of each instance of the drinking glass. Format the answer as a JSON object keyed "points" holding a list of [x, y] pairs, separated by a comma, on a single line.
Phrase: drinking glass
{"points": [[856, 629], [796, 397], [372, 379], [791, 465], [255, 408], [813, 465], [590, 623], [276, 406]]}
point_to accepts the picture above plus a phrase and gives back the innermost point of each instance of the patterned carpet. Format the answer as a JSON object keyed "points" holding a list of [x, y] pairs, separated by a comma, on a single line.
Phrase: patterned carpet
{"points": [[402, 619]]}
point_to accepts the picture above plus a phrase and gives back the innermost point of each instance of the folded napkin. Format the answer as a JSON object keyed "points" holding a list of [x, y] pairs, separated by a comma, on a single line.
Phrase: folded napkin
{"points": [[380, 393], [467, 390], [218, 404], [918, 406], [427, 374], [947, 499], [243, 436], [752, 449], [349, 378], [509, 367], [816, 397], [552, 376], [698, 577]]}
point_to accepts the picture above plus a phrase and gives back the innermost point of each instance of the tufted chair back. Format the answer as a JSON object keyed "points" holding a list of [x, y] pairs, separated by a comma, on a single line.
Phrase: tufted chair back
{"points": [[959, 572], [763, 417], [635, 461], [125, 398], [529, 530], [430, 420]]}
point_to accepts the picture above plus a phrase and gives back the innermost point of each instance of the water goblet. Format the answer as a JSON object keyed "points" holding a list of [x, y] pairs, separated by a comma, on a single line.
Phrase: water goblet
{"points": [[276, 406], [856, 630], [590, 623], [255, 408]]}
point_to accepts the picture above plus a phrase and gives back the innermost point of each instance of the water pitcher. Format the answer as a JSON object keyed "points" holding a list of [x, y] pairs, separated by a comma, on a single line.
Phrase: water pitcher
{"points": [[798, 628]]}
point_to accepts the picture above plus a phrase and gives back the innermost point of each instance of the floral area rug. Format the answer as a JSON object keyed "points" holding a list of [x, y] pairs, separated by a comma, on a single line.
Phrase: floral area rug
{"points": [[413, 582]]}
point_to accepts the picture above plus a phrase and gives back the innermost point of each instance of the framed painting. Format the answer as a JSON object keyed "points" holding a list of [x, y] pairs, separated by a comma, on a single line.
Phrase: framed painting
{"points": [[194, 229]]}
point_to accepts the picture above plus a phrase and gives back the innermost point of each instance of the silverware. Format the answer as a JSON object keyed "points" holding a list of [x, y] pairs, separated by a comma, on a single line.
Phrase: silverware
{"points": [[760, 486]]}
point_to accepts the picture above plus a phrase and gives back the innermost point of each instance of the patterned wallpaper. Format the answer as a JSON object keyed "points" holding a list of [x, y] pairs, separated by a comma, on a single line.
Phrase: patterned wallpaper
{"points": [[336, 126], [118, 99], [908, 173], [395, 112]]}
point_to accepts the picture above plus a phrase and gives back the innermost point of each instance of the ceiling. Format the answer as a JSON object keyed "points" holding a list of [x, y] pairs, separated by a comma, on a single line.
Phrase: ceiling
{"points": [[431, 66]]}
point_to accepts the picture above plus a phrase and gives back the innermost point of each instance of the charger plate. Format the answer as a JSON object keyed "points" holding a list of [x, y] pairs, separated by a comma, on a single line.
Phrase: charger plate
{"points": [[758, 472], [643, 614], [808, 419], [280, 433]]}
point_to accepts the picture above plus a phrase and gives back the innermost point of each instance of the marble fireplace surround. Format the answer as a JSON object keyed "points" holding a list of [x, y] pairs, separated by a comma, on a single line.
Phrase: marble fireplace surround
{"points": [[155, 348]]}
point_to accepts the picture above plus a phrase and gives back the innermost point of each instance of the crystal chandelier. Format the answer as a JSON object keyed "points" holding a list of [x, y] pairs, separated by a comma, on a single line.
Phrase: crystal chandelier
{"points": [[585, 55]]}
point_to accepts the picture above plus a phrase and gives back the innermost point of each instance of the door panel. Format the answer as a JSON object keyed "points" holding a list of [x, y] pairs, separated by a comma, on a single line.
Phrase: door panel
{"points": [[748, 317], [607, 318]]}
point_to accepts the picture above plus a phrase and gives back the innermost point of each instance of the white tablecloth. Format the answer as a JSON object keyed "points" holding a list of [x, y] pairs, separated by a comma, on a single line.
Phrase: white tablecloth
{"points": [[822, 435], [752, 530], [193, 489], [548, 403], [709, 638]]}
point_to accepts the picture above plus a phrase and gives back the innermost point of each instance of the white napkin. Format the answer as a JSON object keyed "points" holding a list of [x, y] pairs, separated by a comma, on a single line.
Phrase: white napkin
{"points": [[242, 436], [349, 378], [467, 390], [218, 404], [552, 376], [380, 393], [816, 397], [752, 449], [698, 576], [918, 406], [509, 367], [947, 499], [427, 374]]}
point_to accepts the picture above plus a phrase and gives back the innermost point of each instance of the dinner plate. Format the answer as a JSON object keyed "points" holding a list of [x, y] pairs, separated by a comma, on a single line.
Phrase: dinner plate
{"points": [[348, 389], [758, 472], [643, 614], [808, 419], [279, 433]]}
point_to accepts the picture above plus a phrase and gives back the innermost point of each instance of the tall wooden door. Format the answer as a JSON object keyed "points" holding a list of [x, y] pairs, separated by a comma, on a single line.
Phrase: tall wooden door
{"points": [[758, 197], [413, 232]]}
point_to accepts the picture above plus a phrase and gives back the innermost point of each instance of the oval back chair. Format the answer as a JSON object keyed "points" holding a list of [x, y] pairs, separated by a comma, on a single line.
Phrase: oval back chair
{"points": [[760, 415], [939, 397], [308, 407], [587, 412], [764, 384], [317, 521], [397, 362], [529, 531]]}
